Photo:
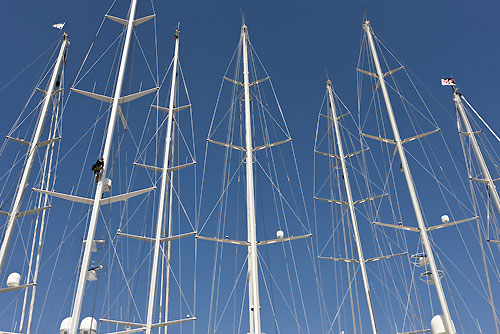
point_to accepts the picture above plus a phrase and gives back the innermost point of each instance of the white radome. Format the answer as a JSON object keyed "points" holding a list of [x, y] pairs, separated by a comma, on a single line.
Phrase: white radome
{"points": [[88, 326], [445, 219], [437, 325], [65, 325], [280, 234], [14, 280]]}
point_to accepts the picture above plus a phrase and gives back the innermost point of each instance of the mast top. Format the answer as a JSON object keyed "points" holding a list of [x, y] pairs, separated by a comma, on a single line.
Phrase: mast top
{"points": [[177, 30], [242, 16]]}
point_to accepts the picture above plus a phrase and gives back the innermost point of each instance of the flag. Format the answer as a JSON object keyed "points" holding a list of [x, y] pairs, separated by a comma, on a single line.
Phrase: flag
{"points": [[59, 26], [448, 82]]}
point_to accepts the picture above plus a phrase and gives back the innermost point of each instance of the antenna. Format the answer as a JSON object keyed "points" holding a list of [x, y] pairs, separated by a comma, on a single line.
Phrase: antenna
{"points": [[327, 74], [242, 16]]}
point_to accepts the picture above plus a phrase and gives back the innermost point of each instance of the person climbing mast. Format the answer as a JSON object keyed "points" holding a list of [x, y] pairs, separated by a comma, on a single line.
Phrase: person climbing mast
{"points": [[97, 168]]}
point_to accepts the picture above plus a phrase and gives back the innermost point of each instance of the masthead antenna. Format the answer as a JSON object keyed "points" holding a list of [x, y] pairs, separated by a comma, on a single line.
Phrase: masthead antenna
{"points": [[242, 16], [327, 74]]}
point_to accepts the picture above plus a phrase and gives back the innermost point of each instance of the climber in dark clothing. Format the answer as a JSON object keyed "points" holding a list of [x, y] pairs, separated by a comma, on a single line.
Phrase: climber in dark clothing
{"points": [[97, 168]]}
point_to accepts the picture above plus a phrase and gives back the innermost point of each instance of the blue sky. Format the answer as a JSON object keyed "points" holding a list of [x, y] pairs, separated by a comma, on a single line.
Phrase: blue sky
{"points": [[298, 42]]}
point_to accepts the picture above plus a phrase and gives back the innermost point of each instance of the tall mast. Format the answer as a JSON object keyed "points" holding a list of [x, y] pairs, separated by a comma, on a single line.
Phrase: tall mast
{"points": [[77, 306], [163, 194], [253, 274], [411, 186], [48, 168], [33, 147], [492, 190], [350, 203], [169, 235]]}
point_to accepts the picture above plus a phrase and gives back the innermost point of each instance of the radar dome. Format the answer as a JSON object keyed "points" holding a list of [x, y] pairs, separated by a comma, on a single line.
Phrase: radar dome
{"points": [[88, 326], [13, 280], [65, 325]]}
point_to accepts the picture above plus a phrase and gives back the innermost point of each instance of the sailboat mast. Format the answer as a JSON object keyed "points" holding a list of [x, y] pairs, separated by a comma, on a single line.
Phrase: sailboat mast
{"points": [[253, 274], [77, 306], [169, 235], [163, 192], [492, 190], [48, 167], [411, 186], [350, 203], [33, 147]]}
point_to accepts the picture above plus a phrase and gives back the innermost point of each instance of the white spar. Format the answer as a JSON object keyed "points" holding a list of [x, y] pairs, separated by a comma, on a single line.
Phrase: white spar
{"points": [[411, 186], [33, 147], [253, 274], [350, 203]]}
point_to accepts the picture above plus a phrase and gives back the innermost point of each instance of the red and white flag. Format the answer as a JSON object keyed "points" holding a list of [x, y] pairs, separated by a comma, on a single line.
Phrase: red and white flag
{"points": [[448, 82]]}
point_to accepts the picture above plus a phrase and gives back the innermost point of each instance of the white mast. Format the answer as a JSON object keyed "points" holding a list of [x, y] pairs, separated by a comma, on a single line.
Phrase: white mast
{"points": [[48, 168], [77, 306], [492, 190], [350, 202], [33, 147], [163, 195], [411, 186], [169, 235], [253, 274]]}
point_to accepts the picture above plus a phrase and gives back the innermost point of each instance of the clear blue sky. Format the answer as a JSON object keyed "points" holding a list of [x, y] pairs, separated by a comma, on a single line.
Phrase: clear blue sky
{"points": [[295, 40]]}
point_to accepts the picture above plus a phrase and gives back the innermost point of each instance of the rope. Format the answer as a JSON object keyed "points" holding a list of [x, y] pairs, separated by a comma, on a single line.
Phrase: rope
{"points": [[482, 120]]}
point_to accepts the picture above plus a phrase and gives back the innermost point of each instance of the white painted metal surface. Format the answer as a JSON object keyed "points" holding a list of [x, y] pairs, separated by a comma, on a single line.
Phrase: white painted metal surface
{"points": [[492, 190], [410, 184], [43, 202], [77, 306], [350, 203], [168, 239], [33, 147], [164, 190], [253, 274]]}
